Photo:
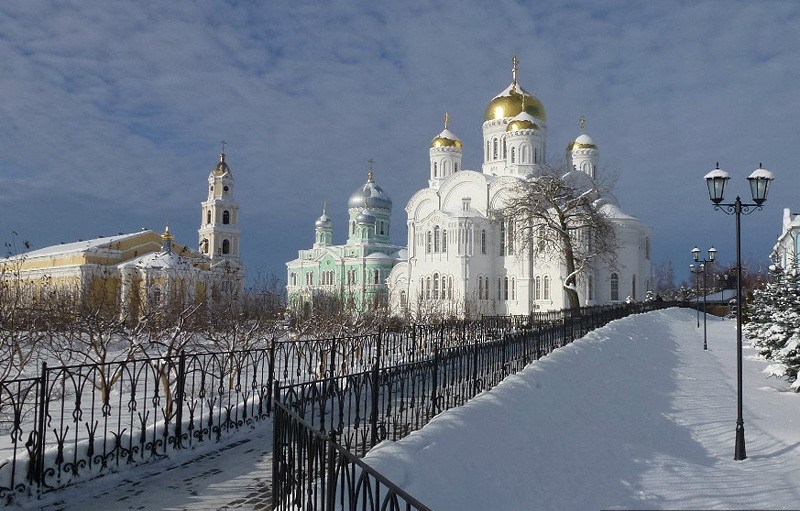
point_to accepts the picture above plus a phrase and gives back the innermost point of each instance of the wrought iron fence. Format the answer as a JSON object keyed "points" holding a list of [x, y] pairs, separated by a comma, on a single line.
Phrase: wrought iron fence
{"points": [[344, 416]]}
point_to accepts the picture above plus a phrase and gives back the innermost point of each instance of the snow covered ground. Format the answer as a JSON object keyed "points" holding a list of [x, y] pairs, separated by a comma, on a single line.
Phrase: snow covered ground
{"points": [[636, 415]]}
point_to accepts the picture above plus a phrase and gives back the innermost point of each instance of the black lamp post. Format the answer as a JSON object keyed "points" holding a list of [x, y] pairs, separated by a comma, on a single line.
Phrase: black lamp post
{"points": [[695, 271], [712, 256], [759, 180]]}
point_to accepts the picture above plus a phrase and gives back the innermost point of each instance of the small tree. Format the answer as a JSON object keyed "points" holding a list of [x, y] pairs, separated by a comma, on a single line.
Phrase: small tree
{"points": [[558, 212]]}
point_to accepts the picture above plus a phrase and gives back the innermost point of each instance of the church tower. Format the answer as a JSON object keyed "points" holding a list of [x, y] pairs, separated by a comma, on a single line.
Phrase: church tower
{"points": [[445, 154], [219, 226], [368, 208], [323, 229], [582, 153]]}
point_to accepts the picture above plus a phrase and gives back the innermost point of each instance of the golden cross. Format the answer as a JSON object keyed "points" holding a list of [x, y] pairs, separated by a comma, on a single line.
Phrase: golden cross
{"points": [[514, 61], [446, 120], [583, 122], [369, 176], [223, 146]]}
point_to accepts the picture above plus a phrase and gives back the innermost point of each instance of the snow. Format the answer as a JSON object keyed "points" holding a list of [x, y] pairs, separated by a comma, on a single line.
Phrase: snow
{"points": [[635, 415], [77, 246]]}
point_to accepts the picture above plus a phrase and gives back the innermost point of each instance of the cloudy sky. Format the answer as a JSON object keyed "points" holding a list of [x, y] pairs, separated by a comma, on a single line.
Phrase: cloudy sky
{"points": [[111, 113]]}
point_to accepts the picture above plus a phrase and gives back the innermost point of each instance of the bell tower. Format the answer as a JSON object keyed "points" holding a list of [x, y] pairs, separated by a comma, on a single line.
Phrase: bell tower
{"points": [[219, 225]]}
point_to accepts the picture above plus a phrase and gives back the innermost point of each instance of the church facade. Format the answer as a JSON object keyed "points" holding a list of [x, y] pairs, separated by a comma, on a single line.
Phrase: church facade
{"points": [[141, 269], [353, 273], [461, 261]]}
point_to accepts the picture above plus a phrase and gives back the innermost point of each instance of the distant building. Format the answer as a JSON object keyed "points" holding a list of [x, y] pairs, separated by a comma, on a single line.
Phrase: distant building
{"points": [[143, 268], [462, 261], [785, 252], [354, 273]]}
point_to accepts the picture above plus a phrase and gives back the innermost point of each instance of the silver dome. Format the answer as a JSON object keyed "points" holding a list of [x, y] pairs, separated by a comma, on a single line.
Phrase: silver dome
{"points": [[369, 195], [365, 217]]}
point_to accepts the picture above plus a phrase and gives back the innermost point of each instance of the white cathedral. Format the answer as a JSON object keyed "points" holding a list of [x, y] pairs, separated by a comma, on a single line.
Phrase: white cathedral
{"points": [[461, 262]]}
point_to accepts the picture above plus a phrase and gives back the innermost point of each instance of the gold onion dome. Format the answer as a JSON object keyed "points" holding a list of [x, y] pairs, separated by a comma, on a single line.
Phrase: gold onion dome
{"points": [[522, 121], [221, 168], [583, 141], [446, 138], [514, 100]]}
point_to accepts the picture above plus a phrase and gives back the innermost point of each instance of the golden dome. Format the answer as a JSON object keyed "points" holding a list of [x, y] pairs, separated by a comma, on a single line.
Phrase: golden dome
{"points": [[583, 141], [446, 138], [513, 101], [510, 102], [522, 124]]}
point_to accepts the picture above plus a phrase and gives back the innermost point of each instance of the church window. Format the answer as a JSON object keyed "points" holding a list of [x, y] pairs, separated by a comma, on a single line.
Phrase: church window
{"points": [[436, 237], [494, 151], [353, 227], [614, 287], [633, 286], [226, 247], [513, 154], [309, 278], [429, 243], [156, 295], [455, 167], [376, 276], [208, 217], [293, 279], [483, 241], [435, 169], [465, 203], [502, 237], [647, 247], [480, 287], [487, 150], [541, 240], [537, 288], [505, 288], [535, 155], [504, 148], [499, 288], [444, 240], [427, 288], [204, 245], [513, 289], [590, 288], [510, 233], [450, 288], [226, 217], [546, 287], [435, 286]]}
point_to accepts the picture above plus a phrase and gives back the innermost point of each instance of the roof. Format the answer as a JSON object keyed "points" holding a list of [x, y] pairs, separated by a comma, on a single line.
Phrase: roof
{"points": [[80, 246]]}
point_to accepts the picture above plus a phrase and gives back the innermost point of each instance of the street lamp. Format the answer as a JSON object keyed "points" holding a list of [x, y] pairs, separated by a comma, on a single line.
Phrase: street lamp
{"points": [[695, 270], [759, 180], [712, 256]]}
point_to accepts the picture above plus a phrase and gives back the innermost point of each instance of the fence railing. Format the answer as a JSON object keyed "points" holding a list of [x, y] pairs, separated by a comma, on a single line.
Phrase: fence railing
{"points": [[323, 426], [71, 423]]}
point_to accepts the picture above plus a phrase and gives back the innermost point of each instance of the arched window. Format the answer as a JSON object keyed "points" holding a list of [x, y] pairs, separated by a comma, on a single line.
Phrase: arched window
{"points": [[513, 154], [480, 287], [487, 150], [614, 287], [455, 167], [435, 286], [444, 240], [647, 247], [499, 288], [510, 234], [435, 169], [204, 245], [483, 241], [537, 288], [226, 247], [633, 286], [450, 288], [505, 288], [502, 250], [377, 276], [504, 148], [590, 288], [513, 289], [403, 299], [429, 243], [208, 217], [494, 150], [294, 279], [427, 288], [546, 288], [535, 155], [353, 227], [156, 295], [226, 217], [436, 236]]}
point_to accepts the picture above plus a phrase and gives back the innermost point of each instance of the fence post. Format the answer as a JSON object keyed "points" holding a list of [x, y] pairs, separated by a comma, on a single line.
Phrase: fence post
{"points": [[330, 477], [435, 380], [279, 429], [38, 472], [270, 375], [373, 416], [180, 385]]}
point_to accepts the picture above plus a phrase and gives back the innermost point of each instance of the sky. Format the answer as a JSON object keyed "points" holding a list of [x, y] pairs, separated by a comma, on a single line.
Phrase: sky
{"points": [[112, 113]]}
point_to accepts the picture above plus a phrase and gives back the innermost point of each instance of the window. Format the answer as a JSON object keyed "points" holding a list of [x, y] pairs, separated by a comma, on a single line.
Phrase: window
{"points": [[428, 288], [351, 276], [487, 150], [204, 245], [377, 276], [455, 167], [494, 151], [435, 169], [381, 226], [510, 233], [465, 204], [537, 289], [309, 278], [208, 217], [647, 247], [502, 237], [226, 217], [483, 241], [429, 244], [513, 289], [633, 286], [450, 288], [505, 288], [444, 240], [436, 236], [541, 241], [614, 287], [513, 154], [226, 247], [535, 155], [546, 288], [499, 288], [590, 288], [156, 295], [480, 287], [435, 286], [504, 148], [293, 279], [353, 227]]}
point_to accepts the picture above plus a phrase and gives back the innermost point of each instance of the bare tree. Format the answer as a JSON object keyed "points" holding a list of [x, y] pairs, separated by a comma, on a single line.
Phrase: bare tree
{"points": [[558, 214]]}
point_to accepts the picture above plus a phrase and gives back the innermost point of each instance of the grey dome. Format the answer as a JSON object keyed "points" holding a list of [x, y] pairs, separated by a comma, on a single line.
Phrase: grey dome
{"points": [[369, 195], [365, 217], [324, 222]]}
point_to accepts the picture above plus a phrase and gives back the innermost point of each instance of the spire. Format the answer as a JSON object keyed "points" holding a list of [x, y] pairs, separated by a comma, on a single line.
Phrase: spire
{"points": [[514, 62], [324, 208], [446, 120], [166, 240], [370, 175]]}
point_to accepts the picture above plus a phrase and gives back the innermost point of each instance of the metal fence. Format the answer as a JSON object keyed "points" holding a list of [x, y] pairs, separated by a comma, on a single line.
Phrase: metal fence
{"points": [[323, 427]]}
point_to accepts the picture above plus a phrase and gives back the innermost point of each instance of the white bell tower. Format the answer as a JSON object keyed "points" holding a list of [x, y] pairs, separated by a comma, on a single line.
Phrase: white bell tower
{"points": [[219, 225]]}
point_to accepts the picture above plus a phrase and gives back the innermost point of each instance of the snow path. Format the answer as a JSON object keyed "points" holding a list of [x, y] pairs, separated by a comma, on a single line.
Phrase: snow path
{"points": [[234, 476], [636, 415]]}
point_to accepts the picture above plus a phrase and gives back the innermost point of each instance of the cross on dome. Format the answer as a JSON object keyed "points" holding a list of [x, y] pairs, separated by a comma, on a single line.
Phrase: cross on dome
{"points": [[514, 62]]}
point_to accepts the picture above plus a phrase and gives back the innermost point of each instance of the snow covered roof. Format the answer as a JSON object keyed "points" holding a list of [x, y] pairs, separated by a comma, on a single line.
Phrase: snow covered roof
{"points": [[159, 260], [92, 245]]}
